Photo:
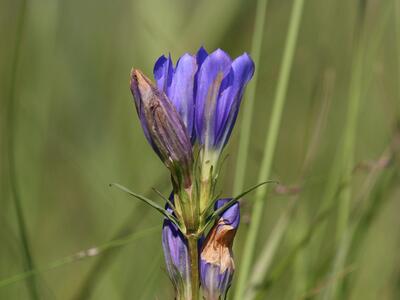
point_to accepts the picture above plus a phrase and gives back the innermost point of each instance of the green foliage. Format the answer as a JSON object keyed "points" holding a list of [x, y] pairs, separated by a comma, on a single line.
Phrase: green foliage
{"points": [[69, 127]]}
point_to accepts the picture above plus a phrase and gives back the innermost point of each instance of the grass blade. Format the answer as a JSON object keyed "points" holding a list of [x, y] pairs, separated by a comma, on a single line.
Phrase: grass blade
{"points": [[264, 261], [266, 256], [272, 135], [245, 125]]}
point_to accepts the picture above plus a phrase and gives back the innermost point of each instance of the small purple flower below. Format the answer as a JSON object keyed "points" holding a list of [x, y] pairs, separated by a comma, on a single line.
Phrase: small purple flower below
{"points": [[216, 258], [175, 253]]}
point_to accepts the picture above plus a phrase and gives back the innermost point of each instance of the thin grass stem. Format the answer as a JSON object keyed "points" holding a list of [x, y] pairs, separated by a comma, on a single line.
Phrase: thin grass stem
{"points": [[279, 101], [334, 182], [265, 259], [345, 229], [245, 126]]}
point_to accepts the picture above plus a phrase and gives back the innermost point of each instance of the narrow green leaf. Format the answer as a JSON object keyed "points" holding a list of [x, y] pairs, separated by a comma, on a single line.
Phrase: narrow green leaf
{"points": [[165, 199], [149, 202]]}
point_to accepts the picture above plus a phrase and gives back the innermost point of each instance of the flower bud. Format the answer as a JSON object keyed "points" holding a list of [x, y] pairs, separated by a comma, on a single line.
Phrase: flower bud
{"points": [[163, 128], [216, 258], [176, 257]]}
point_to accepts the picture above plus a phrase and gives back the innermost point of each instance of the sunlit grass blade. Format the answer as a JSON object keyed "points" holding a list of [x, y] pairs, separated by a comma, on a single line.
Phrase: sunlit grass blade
{"points": [[345, 226], [264, 260], [279, 101], [335, 183], [350, 132], [346, 244], [379, 198], [247, 113], [257, 283], [84, 254], [339, 262]]}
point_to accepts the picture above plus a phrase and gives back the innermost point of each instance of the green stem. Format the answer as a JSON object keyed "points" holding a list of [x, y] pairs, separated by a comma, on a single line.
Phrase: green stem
{"points": [[271, 140], [245, 125], [349, 139], [194, 266]]}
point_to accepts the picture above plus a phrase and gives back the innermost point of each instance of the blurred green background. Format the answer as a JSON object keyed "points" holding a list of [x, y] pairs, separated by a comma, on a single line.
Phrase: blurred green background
{"points": [[69, 128]]}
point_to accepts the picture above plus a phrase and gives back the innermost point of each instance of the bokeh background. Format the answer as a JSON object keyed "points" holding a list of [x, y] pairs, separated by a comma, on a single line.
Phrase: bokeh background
{"points": [[69, 128]]}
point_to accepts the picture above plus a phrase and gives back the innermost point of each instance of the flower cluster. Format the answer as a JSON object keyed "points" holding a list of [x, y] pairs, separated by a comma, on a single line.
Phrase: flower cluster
{"points": [[187, 117]]}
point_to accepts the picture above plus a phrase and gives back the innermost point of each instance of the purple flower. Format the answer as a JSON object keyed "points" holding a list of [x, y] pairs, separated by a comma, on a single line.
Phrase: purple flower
{"points": [[179, 84], [220, 86], [206, 90], [176, 254], [163, 128], [216, 258]]}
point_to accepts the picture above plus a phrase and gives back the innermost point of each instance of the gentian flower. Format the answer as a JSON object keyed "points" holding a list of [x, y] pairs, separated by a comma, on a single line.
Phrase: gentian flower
{"points": [[176, 256], [163, 128], [206, 91], [179, 84], [216, 258], [193, 107], [220, 86]]}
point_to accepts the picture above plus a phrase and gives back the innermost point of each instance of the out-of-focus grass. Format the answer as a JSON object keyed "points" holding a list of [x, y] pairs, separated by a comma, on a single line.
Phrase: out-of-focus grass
{"points": [[270, 143], [77, 131]]}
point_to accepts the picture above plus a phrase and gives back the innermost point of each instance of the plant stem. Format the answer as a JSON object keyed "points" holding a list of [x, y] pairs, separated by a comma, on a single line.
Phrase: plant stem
{"points": [[271, 140], [194, 265]]}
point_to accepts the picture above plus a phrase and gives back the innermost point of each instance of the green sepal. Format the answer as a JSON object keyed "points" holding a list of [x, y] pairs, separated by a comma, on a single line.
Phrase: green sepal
{"points": [[154, 205]]}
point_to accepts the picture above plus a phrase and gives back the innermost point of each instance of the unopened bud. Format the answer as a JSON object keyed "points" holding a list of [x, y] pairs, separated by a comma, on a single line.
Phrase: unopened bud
{"points": [[163, 127], [176, 257]]}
